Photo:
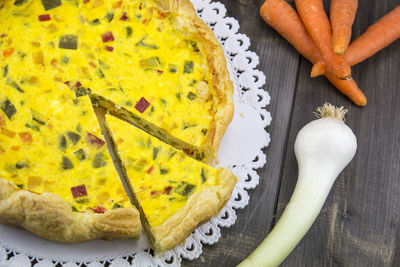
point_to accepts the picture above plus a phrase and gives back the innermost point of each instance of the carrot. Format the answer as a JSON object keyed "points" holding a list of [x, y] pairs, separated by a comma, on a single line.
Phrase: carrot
{"points": [[342, 14], [284, 19], [317, 24], [319, 68], [379, 35]]}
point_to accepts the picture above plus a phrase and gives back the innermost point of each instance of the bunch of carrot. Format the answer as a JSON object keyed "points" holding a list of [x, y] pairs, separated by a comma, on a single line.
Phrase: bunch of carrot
{"points": [[325, 41]]}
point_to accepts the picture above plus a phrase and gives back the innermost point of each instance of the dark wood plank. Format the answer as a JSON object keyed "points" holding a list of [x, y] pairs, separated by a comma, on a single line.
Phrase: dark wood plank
{"points": [[359, 224], [279, 61]]}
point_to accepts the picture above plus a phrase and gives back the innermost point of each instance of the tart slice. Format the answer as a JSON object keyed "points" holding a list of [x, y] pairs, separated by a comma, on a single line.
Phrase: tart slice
{"points": [[57, 178], [173, 192]]}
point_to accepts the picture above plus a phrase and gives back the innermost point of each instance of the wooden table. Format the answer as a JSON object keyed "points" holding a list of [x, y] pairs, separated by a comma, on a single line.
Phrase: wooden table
{"points": [[359, 224]]}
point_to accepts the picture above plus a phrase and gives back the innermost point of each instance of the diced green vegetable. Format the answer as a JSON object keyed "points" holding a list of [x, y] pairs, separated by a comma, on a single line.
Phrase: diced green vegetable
{"points": [[21, 186], [203, 176], [185, 189], [155, 152], [204, 131], [128, 31], [110, 16], [193, 82], [193, 44], [199, 156], [14, 85], [191, 96], [20, 2], [67, 163], [116, 206], [20, 165], [95, 22], [188, 66], [141, 43], [50, 4], [163, 102], [65, 60], [80, 154], [5, 71], [100, 73], [81, 91], [74, 209], [33, 126], [68, 41], [99, 160], [172, 68], [37, 117], [178, 95], [8, 108], [151, 62], [73, 137], [62, 142], [163, 171]]}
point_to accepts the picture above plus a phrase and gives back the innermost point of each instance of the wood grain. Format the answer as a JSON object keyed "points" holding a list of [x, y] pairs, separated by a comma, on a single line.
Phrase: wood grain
{"points": [[359, 224]]}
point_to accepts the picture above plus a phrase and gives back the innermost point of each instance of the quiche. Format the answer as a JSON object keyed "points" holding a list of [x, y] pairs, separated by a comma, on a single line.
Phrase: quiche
{"points": [[152, 63], [173, 192]]}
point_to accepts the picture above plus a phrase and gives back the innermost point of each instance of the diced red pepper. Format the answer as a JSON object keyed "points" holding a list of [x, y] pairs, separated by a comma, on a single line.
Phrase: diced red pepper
{"points": [[86, 1], [150, 170], [117, 4], [92, 65], [26, 137], [79, 191], [45, 17], [78, 84], [8, 52], [109, 48], [3, 35], [107, 37], [167, 190], [99, 209], [124, 16], [94, 141], [159, 72], [2, 120], [142, 105], [67, 83], [188, 152]]}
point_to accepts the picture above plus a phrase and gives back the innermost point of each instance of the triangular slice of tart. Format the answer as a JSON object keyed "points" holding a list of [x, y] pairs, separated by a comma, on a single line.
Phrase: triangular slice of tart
{"points": [[57, 178], [173, 192]]}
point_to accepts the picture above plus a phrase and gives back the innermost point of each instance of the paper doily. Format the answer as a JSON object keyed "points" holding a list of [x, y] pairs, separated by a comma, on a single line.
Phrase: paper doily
{"points": [[240, 150]]}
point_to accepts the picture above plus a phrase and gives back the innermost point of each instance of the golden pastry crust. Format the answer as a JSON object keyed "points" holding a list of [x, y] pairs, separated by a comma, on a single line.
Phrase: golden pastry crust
{"points": [[49, 216], [199, 208], [188, 21]]}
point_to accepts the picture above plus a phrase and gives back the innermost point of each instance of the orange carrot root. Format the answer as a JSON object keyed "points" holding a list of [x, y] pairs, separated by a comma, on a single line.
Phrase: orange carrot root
{"points": [[284, 19], [379, 35], [349, 88], [342, 14], [316, 21]]}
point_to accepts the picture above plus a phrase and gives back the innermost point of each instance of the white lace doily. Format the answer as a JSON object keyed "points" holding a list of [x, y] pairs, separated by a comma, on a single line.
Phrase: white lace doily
{"points": [[240, 150]]}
